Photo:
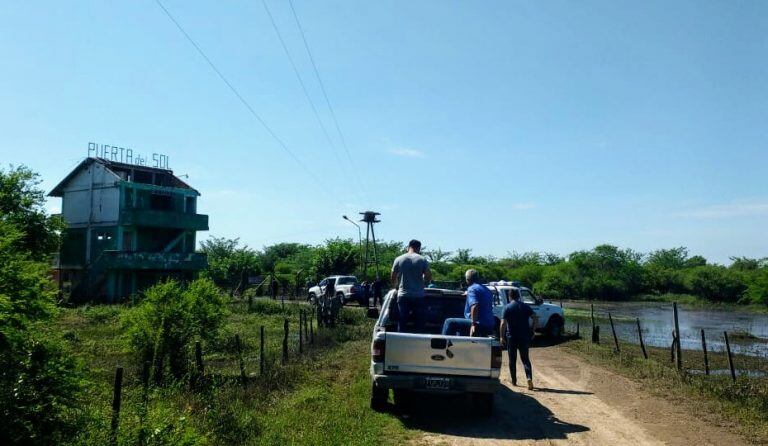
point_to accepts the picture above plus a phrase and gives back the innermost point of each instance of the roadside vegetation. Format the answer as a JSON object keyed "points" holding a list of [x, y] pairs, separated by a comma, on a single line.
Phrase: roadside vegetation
{"points": [[742, 404], [319, 396], [57, 364], [603, 273]]}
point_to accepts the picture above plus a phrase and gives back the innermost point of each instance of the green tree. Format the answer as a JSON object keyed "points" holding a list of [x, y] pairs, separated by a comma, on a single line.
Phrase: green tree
{"points": [[747, 264], [437, 255], [715, 283], [674, 258], [229, 264], [463, 256], [757, 290], [337, 256], [22, 204], [39, 381], [170, 317]]}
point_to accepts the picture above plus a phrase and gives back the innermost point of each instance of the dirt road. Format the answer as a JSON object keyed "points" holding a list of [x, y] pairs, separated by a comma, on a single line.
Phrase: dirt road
{"points": [[574, 403]]}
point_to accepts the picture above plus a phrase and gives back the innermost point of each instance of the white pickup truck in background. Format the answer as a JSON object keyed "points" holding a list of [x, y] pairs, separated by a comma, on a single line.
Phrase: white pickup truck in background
{"points": [[409, 363], [551, 317], [346, 288]]}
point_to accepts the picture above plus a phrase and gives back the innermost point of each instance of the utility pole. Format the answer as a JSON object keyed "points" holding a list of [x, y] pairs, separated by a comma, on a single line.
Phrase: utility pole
{"points": [[360, 243]]}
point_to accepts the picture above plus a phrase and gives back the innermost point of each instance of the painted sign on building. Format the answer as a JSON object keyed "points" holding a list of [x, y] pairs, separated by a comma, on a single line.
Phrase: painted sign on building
{"points": [[128, 156]]}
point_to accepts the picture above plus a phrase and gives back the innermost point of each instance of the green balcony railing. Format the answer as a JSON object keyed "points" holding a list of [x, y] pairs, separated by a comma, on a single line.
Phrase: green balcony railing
{"points": [[153, 260], [164, 219]]}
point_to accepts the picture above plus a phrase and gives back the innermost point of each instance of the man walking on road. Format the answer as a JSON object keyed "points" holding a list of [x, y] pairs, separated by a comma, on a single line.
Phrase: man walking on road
{"points": [[515, 333], [409, 273]]}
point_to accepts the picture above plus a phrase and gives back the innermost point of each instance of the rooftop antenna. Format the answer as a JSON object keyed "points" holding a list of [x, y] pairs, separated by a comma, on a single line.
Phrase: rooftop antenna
{"points": [[369, 218]]}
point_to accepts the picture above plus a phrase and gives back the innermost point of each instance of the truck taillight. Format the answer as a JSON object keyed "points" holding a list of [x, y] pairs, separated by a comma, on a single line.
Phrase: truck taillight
{"points": [[496, 357], [377, 350]]}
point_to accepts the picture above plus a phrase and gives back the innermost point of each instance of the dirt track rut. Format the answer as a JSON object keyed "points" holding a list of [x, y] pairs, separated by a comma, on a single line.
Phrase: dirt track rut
{"points": [[573, 403]]}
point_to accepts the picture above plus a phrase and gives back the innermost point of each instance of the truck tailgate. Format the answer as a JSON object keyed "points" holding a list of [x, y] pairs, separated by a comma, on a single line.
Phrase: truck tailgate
{"points": [[437, 354]]}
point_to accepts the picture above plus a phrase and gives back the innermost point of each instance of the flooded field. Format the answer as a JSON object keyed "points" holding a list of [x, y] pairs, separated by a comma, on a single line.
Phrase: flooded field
{"points": [[747, 332]]}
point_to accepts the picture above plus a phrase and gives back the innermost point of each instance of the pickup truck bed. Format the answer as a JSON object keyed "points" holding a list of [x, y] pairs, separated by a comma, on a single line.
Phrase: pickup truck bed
{"points": [[431, 362]]}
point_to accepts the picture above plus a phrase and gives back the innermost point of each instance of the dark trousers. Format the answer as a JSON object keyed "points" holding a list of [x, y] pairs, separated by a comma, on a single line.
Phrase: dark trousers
{"points": [[514, 345], [459, 326], [411, 317]]}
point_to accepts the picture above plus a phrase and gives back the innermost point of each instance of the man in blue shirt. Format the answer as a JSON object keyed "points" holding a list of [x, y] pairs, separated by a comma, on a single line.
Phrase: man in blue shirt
{"points": [[516, 334], [478, 311]]}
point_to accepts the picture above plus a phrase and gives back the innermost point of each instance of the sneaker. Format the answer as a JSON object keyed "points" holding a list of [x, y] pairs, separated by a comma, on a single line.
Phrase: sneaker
{"points": [[530, 384]]}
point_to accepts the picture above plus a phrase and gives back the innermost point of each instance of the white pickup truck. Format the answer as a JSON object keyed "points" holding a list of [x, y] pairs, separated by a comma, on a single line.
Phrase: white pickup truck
{"points": [[409, 362], [551, 317], [345, 287]]}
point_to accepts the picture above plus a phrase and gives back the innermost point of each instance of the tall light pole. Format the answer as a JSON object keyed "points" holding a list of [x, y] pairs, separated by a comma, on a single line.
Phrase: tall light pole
{"points": [[359, 240]]}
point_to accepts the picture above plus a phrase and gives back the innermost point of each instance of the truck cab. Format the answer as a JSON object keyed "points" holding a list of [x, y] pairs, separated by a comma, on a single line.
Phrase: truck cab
{"points": [[551, 317]]}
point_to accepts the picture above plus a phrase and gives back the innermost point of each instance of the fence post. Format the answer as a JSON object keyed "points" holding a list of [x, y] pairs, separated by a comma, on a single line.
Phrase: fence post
{"points": [[261, 351], [239, 347], [199, 359], [144, 401], [301, 342], [311, 332], [613, 330], [306, 327], [595, 328], [730, 358], [640, 335], [704, 349], [285, 341], [116, 399], [672, 347], [577, 330], [678, 351]]}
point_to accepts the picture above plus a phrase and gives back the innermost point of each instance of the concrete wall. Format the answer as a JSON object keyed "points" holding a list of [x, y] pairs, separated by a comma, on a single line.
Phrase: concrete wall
{"points": [[76, 202]]}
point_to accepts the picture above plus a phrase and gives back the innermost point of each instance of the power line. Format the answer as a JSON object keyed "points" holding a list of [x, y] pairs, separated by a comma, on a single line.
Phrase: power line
{"points": [[322, 88], [301, 81], [244, 102]]}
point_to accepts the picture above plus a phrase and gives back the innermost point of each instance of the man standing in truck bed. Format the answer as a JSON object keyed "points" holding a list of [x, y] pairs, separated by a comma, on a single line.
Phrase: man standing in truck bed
{"points": [[410, 271]]}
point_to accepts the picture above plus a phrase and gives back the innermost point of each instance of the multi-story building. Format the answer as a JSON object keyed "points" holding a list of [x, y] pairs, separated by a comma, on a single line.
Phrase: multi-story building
{"points": [[128, 226]]}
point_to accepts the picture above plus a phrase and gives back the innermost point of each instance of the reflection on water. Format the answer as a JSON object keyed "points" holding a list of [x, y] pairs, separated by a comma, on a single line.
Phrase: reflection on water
{"points": [[657, 322]]}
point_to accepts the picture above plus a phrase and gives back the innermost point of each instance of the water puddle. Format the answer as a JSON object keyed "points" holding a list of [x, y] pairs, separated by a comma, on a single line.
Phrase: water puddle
{"points": [[747, 332]]}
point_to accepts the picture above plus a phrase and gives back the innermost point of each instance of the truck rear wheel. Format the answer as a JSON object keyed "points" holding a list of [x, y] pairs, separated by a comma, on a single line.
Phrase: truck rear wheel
{"points": [[483, 403], [403, 399], [379, 397]]}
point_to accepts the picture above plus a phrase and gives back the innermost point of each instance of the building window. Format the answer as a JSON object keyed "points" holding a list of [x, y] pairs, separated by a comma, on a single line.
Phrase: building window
{"points": [[191, 205], [161, 202]]}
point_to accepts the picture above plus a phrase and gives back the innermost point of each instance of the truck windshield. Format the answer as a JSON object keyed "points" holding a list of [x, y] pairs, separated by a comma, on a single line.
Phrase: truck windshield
{"points": [[436, 310], [349, 280]]}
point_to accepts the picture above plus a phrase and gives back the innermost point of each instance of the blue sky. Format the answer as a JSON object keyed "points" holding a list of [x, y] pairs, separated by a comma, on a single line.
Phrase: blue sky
{"points": [[497, 126]]}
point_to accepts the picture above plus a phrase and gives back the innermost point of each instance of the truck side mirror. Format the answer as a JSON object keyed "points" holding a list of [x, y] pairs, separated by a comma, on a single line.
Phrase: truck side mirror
{"points": [[372, 313]]}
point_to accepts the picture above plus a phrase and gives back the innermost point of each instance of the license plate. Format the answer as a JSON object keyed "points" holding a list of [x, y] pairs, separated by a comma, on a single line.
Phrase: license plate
{"points": [[436, 383]]}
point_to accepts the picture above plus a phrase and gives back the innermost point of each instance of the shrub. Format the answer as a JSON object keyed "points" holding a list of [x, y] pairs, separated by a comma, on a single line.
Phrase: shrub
{"points": [[715, 283], [757, 291], [39, 382], [170, 318]]}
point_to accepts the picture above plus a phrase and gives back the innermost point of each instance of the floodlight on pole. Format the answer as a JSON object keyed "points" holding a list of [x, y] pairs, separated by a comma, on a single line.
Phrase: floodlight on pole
{"points": [[369, 218]]}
